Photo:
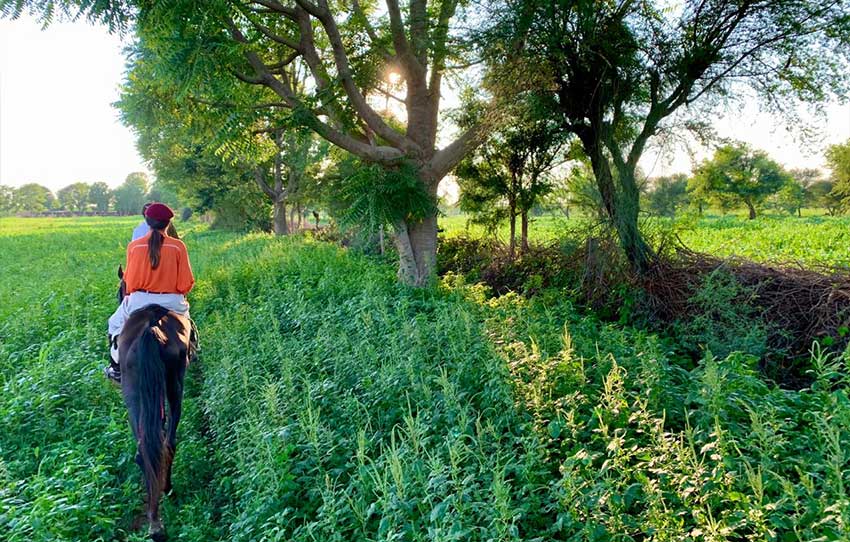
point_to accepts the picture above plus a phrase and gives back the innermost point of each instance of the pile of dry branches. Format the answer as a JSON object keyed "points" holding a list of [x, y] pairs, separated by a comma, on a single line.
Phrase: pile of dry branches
{"points": [[800, 305]]}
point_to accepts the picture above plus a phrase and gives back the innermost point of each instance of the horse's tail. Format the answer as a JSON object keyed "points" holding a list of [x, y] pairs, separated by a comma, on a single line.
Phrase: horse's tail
{"points": [[151, 396]]}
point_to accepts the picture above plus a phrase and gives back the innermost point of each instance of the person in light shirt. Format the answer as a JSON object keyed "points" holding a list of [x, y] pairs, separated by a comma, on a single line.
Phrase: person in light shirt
{"points": [[158, 272], [142, 229]]}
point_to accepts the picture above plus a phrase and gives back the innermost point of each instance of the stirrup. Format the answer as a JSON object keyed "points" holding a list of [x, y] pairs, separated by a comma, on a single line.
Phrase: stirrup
{"points": [[113, 372]]}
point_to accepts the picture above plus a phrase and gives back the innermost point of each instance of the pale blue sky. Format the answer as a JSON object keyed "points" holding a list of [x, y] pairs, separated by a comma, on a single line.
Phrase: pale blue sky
{"points": [[57, 124]]}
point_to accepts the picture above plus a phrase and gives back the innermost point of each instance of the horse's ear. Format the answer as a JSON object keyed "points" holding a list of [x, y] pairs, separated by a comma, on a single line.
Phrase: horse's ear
{"points": [[120, 272]]}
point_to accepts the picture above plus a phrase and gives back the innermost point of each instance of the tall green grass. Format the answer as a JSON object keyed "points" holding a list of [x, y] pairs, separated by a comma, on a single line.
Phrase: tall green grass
{"points": [[649, 447], [330, 403], [66, 454]]}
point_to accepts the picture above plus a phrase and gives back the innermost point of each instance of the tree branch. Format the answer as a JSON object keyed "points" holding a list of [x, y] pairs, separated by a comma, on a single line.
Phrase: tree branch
{"points": [[450, 156], [355, 97], [382, 154], [277, 7], [260, 177]]}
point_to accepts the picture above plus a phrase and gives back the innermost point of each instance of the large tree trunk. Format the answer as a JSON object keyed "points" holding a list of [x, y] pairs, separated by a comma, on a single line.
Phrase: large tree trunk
{"points": [[416, 242], [752, 209], [622, 208], [279, 218], [524, 234]]}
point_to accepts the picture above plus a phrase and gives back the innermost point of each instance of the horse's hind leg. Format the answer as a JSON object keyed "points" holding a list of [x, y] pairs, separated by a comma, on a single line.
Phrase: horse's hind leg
{"points": [[174, 391]]}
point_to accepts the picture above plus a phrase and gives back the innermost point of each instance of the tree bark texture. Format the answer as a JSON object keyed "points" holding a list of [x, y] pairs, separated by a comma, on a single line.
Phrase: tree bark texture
{"points": [[417, 250], [512, 240], [279, 217], [622, 206]]}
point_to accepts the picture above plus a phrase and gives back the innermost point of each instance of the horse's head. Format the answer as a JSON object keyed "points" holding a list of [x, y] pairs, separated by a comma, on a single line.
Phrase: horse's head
{"points": [[122, 287]]}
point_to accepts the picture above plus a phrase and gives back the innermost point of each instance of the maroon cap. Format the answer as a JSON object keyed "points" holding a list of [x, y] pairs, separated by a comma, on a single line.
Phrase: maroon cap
{"points": [[159, 211]]}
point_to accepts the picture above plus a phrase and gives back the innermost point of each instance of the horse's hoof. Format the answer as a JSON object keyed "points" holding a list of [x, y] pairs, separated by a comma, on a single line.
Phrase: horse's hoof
{"points": [[158, 534]]}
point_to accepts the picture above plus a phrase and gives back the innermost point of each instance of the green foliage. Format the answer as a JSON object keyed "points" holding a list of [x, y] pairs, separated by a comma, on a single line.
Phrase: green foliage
{"points": [[115, 14], [100, 195], [812, 241], [724, 320], [66, 452], [7, 199], [163, 193], [242, 210], [738, 174], [668, 195], [333, 404], [616, 74], [369, 195], [823, 194], [74, 197], [33, 198], [583, 191], [791, 197], [838, 161], [649, 447], [131, 195], [509, 174]]}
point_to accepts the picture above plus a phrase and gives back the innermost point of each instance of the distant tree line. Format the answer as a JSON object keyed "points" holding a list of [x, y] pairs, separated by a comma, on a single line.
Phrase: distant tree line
{"points": [[80, 197], [738, 176]]}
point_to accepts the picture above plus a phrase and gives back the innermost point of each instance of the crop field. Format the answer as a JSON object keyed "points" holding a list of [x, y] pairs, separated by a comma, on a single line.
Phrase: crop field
{"points": [[330, 403], [810, 240]]}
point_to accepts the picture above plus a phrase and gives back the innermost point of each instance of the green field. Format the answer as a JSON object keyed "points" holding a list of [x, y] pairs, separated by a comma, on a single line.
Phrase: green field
{"points": [[330, 403], [811, 240]]}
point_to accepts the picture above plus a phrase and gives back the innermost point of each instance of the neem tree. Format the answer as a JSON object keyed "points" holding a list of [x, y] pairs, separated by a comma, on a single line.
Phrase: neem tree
{"points": [[617, 73], [210, 140], [349, 49]]}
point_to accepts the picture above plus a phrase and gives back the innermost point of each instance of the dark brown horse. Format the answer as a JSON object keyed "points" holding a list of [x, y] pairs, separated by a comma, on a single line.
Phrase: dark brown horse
{"points": [[153, 350]]}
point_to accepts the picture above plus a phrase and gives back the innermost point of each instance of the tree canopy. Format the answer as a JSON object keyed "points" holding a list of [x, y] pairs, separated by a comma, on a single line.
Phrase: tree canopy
{"points": [[131, 195], [838, 161], [74, 197], [33, 198], [354, 56], [668, 194], [613, 75], [739, 174], [618, 73]]}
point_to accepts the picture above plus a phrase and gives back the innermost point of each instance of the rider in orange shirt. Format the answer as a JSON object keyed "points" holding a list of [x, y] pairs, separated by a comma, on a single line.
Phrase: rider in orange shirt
{"points": [[158, 272]]}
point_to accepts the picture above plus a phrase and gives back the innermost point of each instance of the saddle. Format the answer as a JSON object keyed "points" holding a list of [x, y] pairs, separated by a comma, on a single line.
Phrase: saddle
{"points": [[157, 312]]}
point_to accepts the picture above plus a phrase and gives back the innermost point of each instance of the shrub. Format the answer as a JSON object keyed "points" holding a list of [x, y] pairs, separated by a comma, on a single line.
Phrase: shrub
{"points": [[722, 318], [539, 268]]}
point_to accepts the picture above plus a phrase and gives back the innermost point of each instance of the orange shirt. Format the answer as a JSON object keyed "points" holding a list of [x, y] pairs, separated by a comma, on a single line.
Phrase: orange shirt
{"points": [[172, 276]]}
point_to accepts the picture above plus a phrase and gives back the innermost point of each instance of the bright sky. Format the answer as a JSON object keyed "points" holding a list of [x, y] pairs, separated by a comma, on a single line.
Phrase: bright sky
{"points": [[763, 131], [57, 124]]}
